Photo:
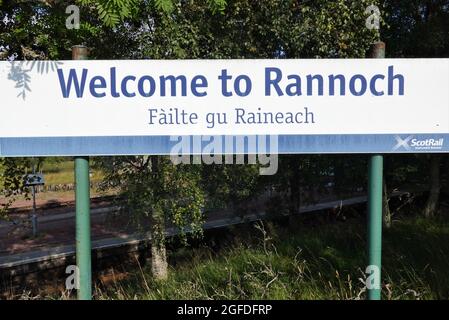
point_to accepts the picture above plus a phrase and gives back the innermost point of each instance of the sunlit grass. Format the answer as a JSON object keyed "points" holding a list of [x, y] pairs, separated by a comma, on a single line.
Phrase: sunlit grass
{"points": [[64, 173]]}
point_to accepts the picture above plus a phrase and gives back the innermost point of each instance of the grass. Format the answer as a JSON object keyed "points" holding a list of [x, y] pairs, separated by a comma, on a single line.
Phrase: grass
{"points": [[62, 172], [318, 261]]}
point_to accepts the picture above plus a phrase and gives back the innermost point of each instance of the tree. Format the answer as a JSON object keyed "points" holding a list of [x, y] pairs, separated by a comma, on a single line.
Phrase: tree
{"points": [[420, 28], [154, 190], [113, 12], [12, 182], [434, 190]]}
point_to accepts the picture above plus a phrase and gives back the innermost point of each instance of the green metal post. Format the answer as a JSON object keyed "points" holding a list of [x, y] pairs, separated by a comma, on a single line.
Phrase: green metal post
{"points": [[375, 176], [82, 203], [83, 246], [375, 223]]}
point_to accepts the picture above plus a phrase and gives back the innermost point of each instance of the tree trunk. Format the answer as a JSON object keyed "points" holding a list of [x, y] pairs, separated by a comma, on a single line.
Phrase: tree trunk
{"points": [[434, 192], [159, 263], [386, 213]]}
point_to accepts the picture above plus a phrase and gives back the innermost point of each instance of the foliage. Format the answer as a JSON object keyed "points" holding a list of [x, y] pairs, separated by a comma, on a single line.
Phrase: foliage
{"points": [[35, 30], [418, 28], [12, 171], [262, 29], [112, 12], [230, 185], [152, 184], [320, 262], [331, 29]]}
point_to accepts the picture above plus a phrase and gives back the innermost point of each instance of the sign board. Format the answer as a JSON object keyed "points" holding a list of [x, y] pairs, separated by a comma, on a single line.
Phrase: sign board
{"points": [[126, 107], [36, 179]]}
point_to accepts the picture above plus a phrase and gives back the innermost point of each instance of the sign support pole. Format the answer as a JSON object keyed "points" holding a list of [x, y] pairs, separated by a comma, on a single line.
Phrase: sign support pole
{"points": [[375, 224], [82, 203], [375, 183]]}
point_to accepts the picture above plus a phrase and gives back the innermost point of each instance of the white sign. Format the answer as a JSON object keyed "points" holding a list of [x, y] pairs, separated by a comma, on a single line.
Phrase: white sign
{"points": [[400, 98], [34, 179]]}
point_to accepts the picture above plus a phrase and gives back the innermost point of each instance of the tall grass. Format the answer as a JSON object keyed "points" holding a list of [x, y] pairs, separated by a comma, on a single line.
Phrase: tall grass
{"points": [[321, 261]]}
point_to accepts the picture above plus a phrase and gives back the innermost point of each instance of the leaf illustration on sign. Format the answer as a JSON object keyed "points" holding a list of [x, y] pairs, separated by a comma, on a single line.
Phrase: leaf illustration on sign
{"points": [[20, 73]]}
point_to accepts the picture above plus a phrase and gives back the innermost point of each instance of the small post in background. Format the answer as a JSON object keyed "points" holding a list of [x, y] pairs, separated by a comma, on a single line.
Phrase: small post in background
{"points": [[32, 180], [33, 215]]}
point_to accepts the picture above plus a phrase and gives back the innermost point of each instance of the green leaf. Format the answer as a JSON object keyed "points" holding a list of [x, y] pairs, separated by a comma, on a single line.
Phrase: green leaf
{"points": [[164, 5]]}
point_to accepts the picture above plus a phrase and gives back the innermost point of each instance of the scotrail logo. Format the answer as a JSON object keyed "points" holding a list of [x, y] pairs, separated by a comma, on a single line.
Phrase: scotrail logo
{"points": [[411, 143]]}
